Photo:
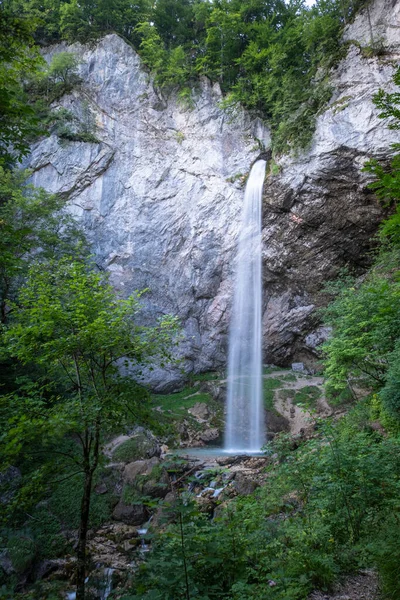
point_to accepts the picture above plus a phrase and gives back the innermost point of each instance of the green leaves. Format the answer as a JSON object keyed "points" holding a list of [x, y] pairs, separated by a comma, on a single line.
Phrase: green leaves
{"points": [[271, 56], [71, 325], [32, 222], [18, 57]]}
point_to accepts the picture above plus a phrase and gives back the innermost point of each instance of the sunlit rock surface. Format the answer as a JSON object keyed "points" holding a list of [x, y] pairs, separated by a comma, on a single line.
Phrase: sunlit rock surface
{"points": [[160, 195]]}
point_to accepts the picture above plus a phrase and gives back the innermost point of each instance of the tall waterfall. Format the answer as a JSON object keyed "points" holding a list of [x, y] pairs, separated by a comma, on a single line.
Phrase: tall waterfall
{"points": [[245, 421]]}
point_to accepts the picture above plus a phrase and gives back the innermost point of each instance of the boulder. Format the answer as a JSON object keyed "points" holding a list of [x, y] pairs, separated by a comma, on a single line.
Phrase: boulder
{"points": [[165, 511], [148, 477], [210, 435], [134, 514], [101, 488], [200, 411], [139, 444], [275, 423], [206, 505], [139, 467], [244, 485]]}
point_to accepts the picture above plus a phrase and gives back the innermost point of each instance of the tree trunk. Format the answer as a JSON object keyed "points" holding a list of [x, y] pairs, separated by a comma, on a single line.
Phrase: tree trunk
{"points": [[89, 469], [83, 529]]}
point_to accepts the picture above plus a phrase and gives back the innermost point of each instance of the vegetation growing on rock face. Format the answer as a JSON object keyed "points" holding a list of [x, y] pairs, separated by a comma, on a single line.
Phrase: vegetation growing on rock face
{"points": [[363, 352], [271, 56]]}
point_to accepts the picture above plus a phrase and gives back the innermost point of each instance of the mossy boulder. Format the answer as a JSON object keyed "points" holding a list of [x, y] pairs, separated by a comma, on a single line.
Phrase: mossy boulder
{"points": [[146, 478], [141, 445]]}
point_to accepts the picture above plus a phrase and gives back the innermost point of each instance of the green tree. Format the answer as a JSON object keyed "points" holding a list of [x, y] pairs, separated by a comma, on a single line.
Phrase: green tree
{"points": [[387, 178], [71, 325], [87, 20], [33, 225], [174, 20], [63, 68], [365, 318], [18, 58]]}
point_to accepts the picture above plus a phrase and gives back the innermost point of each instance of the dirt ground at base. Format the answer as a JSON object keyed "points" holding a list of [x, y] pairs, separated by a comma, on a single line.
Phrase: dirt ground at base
{"points": [[364, 586]]}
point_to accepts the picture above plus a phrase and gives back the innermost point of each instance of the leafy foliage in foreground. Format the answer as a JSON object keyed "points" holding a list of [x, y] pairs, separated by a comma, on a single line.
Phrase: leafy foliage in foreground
{"points": [[32, 226], [71, 326], [18, 57], [325, 510]]}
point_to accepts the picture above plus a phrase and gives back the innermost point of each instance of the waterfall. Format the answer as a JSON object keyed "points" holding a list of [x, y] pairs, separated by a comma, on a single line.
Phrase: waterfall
{"points": [[245, 414]]}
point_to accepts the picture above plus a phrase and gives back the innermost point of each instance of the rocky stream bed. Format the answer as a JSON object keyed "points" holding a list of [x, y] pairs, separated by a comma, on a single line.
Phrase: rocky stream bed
{"points": [[145, 474]]}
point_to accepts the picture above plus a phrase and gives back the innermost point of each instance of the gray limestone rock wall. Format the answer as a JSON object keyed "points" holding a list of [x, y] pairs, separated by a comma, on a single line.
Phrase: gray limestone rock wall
{"points": [[160, 196], [319, 215]]}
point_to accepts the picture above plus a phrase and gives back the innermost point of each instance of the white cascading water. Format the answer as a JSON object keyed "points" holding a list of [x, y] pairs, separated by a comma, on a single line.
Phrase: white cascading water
{"points": [[245, 414]]}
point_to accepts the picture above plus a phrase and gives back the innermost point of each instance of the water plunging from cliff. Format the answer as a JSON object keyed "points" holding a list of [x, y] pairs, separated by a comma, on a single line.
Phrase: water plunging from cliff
{"points": [[245, 422]]}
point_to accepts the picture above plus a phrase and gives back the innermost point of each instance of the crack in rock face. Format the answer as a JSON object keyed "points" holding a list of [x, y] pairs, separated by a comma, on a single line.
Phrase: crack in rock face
{"points": [[160, 197]]}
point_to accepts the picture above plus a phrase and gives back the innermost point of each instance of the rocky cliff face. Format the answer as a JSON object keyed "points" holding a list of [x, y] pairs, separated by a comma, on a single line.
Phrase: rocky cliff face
{"points": [[319, 215], [160, 195]]}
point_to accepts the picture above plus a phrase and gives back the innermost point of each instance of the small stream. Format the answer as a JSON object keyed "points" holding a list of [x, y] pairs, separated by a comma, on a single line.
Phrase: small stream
{"points": [[104, 585]]}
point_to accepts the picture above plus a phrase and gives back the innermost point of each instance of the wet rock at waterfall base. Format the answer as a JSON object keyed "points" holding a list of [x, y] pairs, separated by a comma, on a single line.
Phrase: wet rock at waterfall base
{"points": [[210, 435], [205, 505]]}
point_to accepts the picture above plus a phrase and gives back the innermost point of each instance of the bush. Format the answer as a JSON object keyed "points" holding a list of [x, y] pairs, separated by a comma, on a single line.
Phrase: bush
{"points": [[386, 551], [390, 393], [65, 503], [22, 551]]}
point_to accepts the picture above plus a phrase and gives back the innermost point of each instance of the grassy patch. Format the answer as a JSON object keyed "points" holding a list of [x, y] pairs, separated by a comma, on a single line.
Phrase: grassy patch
{"points": [[269, 387], [176, 405], [267, 370], [308, 395], [287, 394], [288, 377], [211, 376]]}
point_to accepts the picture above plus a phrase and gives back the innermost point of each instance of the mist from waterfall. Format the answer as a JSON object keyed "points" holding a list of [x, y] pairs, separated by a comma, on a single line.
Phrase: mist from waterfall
{"points": [[245, 414]]}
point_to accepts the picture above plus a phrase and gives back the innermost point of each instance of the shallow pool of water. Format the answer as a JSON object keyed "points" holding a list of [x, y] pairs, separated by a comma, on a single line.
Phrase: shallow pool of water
{"points": [[210, 452]]}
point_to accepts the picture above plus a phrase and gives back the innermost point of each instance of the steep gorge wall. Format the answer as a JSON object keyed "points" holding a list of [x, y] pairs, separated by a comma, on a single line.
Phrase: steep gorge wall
{"points": [[319, 215], [160, 196]]}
